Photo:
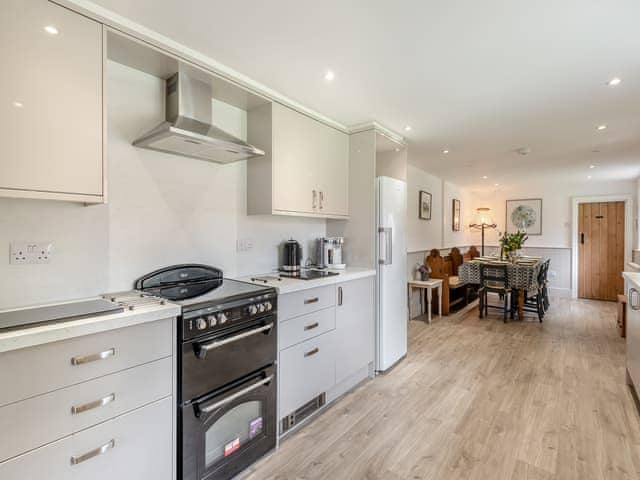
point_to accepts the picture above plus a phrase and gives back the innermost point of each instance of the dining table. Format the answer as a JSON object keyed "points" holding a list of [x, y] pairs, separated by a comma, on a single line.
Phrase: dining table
{"points": [[522, 273]]}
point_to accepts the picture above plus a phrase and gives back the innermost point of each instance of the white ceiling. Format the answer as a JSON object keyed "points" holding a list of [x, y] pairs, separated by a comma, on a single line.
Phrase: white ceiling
{"points": [[480, 78]]}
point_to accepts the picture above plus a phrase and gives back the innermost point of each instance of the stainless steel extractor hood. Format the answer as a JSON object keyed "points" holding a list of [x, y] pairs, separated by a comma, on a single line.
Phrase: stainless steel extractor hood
{"points": [[188, 130]]}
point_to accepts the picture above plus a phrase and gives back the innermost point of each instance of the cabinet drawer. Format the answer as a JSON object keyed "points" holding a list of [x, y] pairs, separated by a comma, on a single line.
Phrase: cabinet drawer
{"points": [[44, 368], [306, 370], [137, 445], [38, 420], [305, 301], [303, 328]]}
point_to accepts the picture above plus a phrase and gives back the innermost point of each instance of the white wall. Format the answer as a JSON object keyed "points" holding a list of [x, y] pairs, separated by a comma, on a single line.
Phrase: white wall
{"points": [[163, 209], [423, 235]]}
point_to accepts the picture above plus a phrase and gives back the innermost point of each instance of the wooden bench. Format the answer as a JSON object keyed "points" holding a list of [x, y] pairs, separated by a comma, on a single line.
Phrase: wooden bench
{"points": [[445, 268]]}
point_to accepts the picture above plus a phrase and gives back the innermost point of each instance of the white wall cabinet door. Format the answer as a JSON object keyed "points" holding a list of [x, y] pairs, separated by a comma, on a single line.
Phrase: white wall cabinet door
{"points": [[334, 183], [355, 317], [51, 117]]}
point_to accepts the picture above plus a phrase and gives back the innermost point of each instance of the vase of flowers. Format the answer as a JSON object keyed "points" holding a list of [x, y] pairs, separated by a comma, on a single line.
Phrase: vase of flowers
{"points": [[511, 244], [422, 272]]}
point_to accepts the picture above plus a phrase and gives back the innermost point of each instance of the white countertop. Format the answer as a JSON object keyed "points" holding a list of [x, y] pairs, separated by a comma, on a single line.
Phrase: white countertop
{"points": [[53, 332], [633, 277], [288, 285]]}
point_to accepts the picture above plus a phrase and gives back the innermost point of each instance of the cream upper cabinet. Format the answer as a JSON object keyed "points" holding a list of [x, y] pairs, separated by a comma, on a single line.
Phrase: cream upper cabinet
{"points": [[306, 167], [51, 114]]}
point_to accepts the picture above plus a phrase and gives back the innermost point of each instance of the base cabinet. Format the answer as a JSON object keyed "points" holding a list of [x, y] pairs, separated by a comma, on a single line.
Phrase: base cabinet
{"points": [[133, 446], [354, 339]]}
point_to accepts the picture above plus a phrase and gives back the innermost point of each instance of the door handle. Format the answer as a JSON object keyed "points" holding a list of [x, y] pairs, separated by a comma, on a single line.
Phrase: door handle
{"points": [[321, 199], [339, 296], [201, 349], [387, 232], [634, 299], [582, 238], [210, 408], [315, 199]]}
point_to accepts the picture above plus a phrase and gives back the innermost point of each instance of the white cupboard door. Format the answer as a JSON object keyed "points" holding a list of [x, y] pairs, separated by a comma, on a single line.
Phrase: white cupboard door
{"points": [[51, 99], [334, 186], [294, 161], [355, 319]]}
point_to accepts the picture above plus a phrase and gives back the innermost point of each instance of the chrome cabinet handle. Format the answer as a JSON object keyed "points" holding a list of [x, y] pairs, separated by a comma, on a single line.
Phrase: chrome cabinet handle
{"points": [[312, 326], [95, 404], [311, 300], [311, 352], [75, 460], [231, 398], [315, 198], [339, 296], [93, 357], [388, 236], [201, 349], [634, 294], [321, 199]]}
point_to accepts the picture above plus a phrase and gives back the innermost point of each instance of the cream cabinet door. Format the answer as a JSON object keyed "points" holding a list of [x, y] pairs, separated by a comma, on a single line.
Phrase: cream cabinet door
{"points": [[295, 161], [51, 118], [334, 176]]}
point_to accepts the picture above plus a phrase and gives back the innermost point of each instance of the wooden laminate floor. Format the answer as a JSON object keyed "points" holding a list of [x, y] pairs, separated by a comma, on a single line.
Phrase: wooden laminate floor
{"points": [[480, 399]]}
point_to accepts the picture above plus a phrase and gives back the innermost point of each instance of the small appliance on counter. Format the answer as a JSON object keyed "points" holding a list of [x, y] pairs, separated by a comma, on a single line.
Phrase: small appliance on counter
{"points": [[329, 253], [291, 257], [308, 274]]}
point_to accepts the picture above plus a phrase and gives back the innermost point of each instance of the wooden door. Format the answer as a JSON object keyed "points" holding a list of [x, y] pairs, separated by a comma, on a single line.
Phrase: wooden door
{"points": [[600, 250]]}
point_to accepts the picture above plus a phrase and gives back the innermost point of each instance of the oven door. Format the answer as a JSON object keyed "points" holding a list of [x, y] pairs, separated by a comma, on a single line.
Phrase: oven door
{"points": [[211, 362], [225, 432]]}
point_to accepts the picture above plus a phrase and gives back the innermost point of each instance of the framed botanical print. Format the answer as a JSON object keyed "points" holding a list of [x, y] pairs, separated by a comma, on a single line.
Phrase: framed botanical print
{"points": [[424, 209], [524, 215], [455, 215]]}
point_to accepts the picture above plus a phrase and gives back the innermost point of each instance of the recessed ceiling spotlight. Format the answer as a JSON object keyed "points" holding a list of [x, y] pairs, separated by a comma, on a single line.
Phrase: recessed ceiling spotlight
{"points": [[407, 128], [523, 151], [614, 81], [592, 166], [588, 177], [397, 149], [602, 127], [51, 30], [484, 177], [445, 151], [17, 104], [329, 76], [496, 184]]}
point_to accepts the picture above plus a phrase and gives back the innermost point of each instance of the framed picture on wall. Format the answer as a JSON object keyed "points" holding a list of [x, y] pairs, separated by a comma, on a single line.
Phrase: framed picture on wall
{"points": [[524, 215], [424, 205], [455, 215]]}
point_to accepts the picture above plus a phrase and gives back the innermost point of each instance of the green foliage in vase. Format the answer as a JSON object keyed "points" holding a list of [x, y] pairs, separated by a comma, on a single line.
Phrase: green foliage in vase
{"points": [[510, 242]]}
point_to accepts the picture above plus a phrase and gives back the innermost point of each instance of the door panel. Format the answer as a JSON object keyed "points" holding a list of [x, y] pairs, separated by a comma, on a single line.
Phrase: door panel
{"points": [[600, 250]]}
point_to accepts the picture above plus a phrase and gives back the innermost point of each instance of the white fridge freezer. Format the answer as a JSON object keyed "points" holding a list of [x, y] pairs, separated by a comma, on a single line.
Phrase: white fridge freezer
{"points": [[391, 248]]}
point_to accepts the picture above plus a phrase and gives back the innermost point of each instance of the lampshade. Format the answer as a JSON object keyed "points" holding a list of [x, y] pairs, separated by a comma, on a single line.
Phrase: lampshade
{"points": [[483, 216]]}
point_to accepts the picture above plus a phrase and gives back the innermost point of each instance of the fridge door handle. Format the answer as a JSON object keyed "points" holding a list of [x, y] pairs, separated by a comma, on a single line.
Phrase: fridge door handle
{"points": [[386, 232]]}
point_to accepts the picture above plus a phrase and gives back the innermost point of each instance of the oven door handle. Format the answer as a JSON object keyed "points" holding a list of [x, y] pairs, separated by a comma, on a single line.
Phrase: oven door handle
{"points": [[210, 408], [201, 349]]}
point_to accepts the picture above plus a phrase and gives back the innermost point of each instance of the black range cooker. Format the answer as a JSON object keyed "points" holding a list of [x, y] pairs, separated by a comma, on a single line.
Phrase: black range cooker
{"points": [[226, 369]]}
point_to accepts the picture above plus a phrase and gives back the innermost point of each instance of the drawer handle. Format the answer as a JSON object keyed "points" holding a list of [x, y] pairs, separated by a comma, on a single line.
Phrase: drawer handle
{"points": [[75, 460], [95, 404], [311, 300], [210, 408], [312, 352], [312, 326], [94, 357]]}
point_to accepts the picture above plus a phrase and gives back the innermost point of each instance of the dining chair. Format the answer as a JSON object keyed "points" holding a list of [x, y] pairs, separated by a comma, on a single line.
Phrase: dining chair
{"points": [[494, 279], [538, 301]]}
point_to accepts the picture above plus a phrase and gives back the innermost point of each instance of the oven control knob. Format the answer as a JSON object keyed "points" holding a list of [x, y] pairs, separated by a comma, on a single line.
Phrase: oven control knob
{"points": [[261, 307], [201, 323], [268, 306], [252, 309], [213, 321], [222, 318]]}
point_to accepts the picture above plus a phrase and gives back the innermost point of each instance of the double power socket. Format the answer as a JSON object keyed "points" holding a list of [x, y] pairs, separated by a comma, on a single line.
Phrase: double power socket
{"points": [[26, 253]]}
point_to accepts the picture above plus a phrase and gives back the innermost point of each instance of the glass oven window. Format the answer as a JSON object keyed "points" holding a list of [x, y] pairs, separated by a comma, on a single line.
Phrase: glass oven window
{"points": [[232, 431]]}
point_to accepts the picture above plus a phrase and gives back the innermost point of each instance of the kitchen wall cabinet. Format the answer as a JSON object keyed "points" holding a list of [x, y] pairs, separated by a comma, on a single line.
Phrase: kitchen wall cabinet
{"points": [[51, 103], [305, 170], [354, 326]]}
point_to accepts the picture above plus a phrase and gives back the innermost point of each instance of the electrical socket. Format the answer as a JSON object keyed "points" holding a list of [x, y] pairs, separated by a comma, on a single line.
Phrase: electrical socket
{"points": [[26, 253], [244, 244]]}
